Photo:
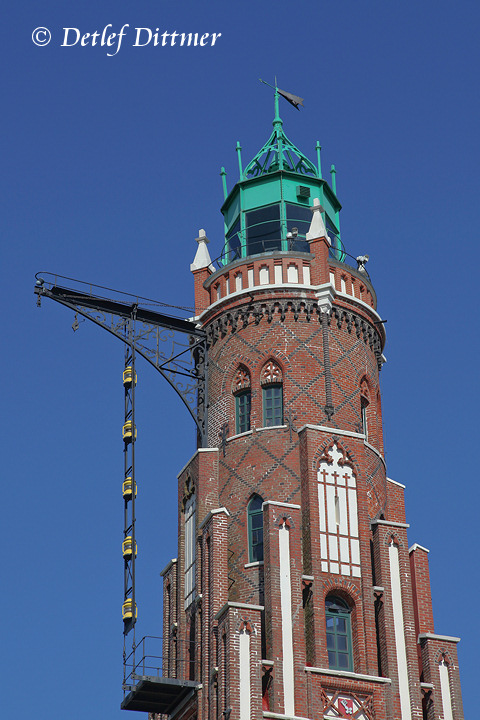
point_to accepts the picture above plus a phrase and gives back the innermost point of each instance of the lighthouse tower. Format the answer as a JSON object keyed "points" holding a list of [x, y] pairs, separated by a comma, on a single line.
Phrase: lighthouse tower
{"points": [[295, 593]]}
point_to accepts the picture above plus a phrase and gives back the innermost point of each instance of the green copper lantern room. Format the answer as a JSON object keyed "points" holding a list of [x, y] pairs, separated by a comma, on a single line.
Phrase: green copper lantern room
{"points": [[269, 207]]}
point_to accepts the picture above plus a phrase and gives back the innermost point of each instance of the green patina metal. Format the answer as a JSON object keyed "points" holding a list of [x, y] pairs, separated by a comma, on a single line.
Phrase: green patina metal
{"points": [[278, 153], [272, 199]]}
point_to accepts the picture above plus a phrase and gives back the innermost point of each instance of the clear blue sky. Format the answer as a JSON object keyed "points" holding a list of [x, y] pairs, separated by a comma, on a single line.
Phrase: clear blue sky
{"points": [[110, 165]]}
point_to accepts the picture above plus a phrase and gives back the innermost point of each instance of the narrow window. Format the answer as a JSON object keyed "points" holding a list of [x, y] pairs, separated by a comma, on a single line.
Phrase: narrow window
{"points": [[255, 529], [190, 533], [243, 403], [272, 391], [339, 634], [243, 399], [364, 409], [364, 405], [272, 405]]}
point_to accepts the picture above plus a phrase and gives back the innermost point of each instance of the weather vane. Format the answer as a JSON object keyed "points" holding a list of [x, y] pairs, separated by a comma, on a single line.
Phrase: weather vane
{"points": [[292, 99]]}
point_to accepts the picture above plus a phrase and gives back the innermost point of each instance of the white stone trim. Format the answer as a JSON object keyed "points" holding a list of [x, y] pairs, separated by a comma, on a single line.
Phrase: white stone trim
{"points": [[209, 516], [332, 431], [258, 563], [308, 577], [234, 437], [357, 301], [244, 674], [445, 691], [277, 716], [416, 546], [349, 675], [398, 626], [270, 427], [317, 229], [325, 295], [433, 636], [239, 606], [377, 452], [287, 624], [197, 452], [390, 523], [281, 504], [168, 566], [202, 257], [295, 289], [396, 483]]}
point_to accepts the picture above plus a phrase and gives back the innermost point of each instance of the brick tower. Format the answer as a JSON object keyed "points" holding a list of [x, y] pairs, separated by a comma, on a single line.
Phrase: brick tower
{"points": [[295, 593]]}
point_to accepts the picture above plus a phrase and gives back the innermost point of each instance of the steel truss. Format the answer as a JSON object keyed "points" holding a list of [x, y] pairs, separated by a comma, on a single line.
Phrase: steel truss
{"points": [[175, 347], [178, 350]]}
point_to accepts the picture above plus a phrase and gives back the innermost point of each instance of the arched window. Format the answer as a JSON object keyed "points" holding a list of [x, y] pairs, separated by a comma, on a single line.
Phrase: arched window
{"points": [[339, 633], [243, 399], [272, 391], [364, 403], [255, 529]]}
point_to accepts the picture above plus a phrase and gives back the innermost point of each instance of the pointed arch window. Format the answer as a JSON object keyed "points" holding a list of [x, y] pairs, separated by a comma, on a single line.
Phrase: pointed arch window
{"points": [[272, 391], [255, 529], [339, 633], [243, 399], [364, 403]]}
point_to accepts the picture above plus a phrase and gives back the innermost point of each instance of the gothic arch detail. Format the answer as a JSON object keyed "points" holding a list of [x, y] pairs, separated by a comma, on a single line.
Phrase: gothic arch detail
{"points": [[324, 453], [365, 388], [271, 373], [242, 379], [391, 536], [338, 513]]}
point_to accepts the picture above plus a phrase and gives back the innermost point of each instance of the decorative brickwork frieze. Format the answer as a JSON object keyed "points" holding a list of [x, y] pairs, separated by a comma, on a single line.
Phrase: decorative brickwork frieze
{"points": [[271, 373]]}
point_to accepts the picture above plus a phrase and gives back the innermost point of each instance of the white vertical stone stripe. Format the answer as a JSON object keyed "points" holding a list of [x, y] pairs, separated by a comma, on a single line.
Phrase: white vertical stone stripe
{"points": [[399, 632], [323, 547], [321, 507], [244, 675], [333, 547], [332, 521], [445, 691], [352, 512], [287, 629], [342, 498]]}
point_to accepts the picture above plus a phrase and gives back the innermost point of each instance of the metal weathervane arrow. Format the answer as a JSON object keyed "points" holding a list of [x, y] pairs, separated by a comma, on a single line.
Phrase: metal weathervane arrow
{"points": [[289, 97]]}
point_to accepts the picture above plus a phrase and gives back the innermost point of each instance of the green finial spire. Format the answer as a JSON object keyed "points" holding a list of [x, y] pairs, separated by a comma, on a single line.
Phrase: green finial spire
{"points": [[224, 183], [333, 173], [319, 162], [239, 154], [279, 153]]}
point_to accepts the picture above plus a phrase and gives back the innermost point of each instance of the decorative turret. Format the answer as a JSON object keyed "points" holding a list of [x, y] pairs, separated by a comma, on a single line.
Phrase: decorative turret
{"points": [[269, 207]]}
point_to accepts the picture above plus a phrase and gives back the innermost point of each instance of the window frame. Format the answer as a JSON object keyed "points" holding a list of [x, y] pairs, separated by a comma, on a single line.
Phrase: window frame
{"points": [[251, 514], [240, 395], [266, 389], [341, 612]]}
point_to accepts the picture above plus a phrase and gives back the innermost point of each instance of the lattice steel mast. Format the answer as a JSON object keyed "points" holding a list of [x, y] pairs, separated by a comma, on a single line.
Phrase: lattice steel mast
{"points": [[176, 348]]}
